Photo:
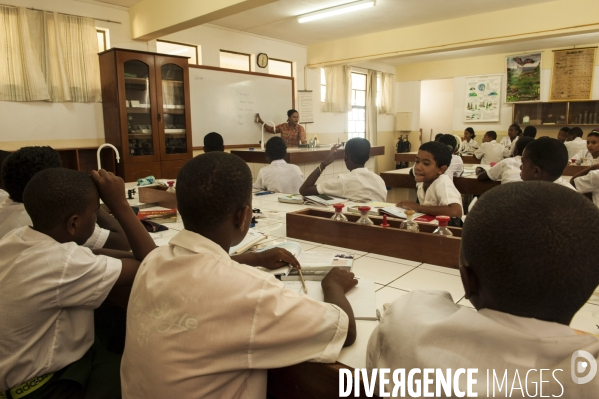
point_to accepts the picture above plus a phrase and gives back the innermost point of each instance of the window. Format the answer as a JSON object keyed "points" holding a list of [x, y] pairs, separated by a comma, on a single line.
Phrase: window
{"points": [[280, 67], [356, 121], [323, 85], [182, 49], [103, 39], [233, 60]]}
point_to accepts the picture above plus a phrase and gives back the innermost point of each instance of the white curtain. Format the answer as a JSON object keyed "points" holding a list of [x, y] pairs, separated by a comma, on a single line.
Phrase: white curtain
{"points": [[371, 114], [338, 89], [387, 106], [61, 52]]}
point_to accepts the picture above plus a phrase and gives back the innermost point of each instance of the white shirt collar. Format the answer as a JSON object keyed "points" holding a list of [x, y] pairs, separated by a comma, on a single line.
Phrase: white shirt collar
{"points": [[578, 139], [197, 243], [528, 325], [278, 161]]}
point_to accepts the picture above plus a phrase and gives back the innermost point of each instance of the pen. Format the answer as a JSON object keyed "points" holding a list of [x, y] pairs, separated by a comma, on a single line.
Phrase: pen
{"points": [[265, 193], [303, 282]]}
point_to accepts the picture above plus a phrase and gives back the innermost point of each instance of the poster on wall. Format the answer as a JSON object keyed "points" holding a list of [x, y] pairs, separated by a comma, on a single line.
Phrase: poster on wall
{"points": [[523, 78], [482, 98], [572, 76]]}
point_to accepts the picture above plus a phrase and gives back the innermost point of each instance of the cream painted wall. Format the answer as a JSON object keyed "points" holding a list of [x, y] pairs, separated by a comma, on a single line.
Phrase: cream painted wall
{"points": [[436, 107]]}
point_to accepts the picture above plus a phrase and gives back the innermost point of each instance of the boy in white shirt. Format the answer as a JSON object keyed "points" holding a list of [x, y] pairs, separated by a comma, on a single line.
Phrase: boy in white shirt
{"points": [[279, 176], [545, 159], [52, 284], [201, 325], [562, 134], [574, 142], [490, 150], [18, 169], [587, 181], [508, 167], [456, 167], [468, 145], [360, 184], [512, 276], [590, 155], [437, 195]]}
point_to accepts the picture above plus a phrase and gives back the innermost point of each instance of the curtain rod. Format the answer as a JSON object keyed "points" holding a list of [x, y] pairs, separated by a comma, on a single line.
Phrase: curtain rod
{"points": [[72, 15]]}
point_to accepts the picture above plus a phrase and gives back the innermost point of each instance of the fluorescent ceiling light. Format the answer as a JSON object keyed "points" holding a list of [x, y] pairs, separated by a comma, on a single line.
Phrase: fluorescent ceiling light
{"points": [[330, 12]]}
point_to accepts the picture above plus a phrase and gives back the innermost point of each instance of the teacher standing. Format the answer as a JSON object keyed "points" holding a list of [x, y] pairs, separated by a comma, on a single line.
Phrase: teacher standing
{"points": [[292, 132]]}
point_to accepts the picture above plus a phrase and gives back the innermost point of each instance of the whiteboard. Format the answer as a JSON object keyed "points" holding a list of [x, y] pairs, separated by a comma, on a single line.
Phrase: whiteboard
{"points": [[226, 102]]}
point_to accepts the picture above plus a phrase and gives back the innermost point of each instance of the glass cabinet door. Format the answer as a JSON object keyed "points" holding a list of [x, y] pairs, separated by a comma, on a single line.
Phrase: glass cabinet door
{"points": [[140, 135], [173, 108]]}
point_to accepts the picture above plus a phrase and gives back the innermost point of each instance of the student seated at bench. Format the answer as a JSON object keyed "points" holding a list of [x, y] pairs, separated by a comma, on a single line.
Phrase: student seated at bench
{"points": [[574, 142], [507, 170], [509, 142], [279, 176], [545, 159], [456, 167], [468, 144], [562, 135], [590, 155], [490, 150], [213, 142], [51, 286], [436, 193], [359, 184], [18, 169], [526, 288], [530, 131], [587, 182], [201, 325]]}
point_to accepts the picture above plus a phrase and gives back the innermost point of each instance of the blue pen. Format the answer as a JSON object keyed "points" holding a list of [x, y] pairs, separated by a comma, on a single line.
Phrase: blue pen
{"points": [[264, 192]]}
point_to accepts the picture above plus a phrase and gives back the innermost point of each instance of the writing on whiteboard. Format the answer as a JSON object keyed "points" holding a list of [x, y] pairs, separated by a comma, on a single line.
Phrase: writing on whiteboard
{"points": [[245, 109]]}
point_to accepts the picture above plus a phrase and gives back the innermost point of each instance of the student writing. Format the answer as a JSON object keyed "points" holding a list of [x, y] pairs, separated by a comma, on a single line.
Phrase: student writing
{"points": [[279, 176]]}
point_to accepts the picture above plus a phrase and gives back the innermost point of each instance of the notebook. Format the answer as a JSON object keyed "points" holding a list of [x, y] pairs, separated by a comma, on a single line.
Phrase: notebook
{"points": [[362, 297], [291, 199], [323, 200], [291, 246], [252, 238], [375, 206], [397, 212]]}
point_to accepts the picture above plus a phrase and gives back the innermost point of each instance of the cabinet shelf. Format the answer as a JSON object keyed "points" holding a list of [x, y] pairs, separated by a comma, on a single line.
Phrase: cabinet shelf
{"points": [[138, 110], [557, 113]]}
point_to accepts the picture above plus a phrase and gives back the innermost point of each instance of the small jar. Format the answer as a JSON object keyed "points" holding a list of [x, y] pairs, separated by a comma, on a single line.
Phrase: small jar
{"points": [[409, 224], [171, 187], [338, 216], [364, 219], [442, 230]]}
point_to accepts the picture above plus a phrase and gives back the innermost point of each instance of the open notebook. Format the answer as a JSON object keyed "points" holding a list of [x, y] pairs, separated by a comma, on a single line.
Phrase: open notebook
{"points": [[361, 298], [252, 238]]}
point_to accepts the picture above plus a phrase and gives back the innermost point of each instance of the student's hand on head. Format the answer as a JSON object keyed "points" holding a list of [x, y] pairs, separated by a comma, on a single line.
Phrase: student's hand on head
{"points": [[331, 156], [338, 278], [110, 187], [277, 257], [407, 204]]}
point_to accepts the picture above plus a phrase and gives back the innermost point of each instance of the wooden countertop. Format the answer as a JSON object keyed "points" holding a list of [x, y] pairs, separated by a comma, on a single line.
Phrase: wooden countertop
{"points": [[299, 156]]}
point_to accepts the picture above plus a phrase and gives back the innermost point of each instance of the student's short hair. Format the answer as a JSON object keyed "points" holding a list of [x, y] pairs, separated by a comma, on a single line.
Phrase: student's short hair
{"points": [[20, 166], [449, 140], [213, 142], [522, 143], [276, 148], [594, 133], [575, 132], [515, 125], [492, 134], [55, 194], [358, 150], [551, 155], [471, 131], [530, 131], [291, 112], [3, 156], [565, 129], [210, 187], [438, 136], [440, 152], [524, 265]]}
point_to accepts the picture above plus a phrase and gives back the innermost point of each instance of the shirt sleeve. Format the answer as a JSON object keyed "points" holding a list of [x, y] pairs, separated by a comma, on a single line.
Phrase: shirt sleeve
{"points": [[333, 187], [86, 279], [587, 183], [97, 239], [305, 330], [447, 194], [495, 172], [479, 152], [269, 129], [259, 184]]}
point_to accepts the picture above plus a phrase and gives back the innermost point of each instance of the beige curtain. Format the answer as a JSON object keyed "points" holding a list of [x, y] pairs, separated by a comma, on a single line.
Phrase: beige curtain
{"points": [[387, 106], [62, 52], [338, 89], [371, 113]]}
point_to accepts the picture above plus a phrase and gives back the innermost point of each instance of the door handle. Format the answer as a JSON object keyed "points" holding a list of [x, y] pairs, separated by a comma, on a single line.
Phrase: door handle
{"points": [[159, 117]]}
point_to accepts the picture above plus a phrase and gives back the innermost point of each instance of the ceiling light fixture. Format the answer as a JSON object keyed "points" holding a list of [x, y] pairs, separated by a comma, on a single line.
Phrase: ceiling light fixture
{"points": [[333, 11]]}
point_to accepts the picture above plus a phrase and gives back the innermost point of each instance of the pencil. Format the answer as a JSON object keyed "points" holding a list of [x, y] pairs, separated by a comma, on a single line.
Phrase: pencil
{"points": [[303, 282]]}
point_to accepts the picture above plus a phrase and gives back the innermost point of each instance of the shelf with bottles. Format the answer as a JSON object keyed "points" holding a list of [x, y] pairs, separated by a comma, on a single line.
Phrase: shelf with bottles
{"points": [[138, 110], [173, 109], [540, 114], [584, 113]]}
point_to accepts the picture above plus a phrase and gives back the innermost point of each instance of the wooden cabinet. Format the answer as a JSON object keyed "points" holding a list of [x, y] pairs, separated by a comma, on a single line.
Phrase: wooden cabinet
{"points": [[146, 112], [573, 113]]}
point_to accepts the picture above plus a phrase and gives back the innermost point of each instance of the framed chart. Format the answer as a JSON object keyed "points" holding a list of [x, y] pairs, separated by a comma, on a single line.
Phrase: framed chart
{"points": [[572, 76], [482, 98], [523, 78]]}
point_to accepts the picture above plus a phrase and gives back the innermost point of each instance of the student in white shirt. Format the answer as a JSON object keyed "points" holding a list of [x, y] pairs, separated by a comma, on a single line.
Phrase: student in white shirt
{"points": [[359, 184], [498, 171], [18, 169], [201, 325], [512, 274], [545, 159], [213, 142], [590, 155], [529, 131], [562, 135], [279, 176], [587, 181], [513, 132], [456, 167], [468, 144], [52, 284], [490, 150], [574, 142], [437, 195]]}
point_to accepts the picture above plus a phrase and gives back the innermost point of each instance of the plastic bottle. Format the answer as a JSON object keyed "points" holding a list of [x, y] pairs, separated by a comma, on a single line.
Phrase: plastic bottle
{"points": [[442, 230], [364, 219], [338, 216], [409, 224], [171, 188]]}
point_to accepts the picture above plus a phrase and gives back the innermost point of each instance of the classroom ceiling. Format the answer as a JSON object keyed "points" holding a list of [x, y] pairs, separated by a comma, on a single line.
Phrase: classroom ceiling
{"points": [[123, 3], [517, 47], [279, 19]]}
